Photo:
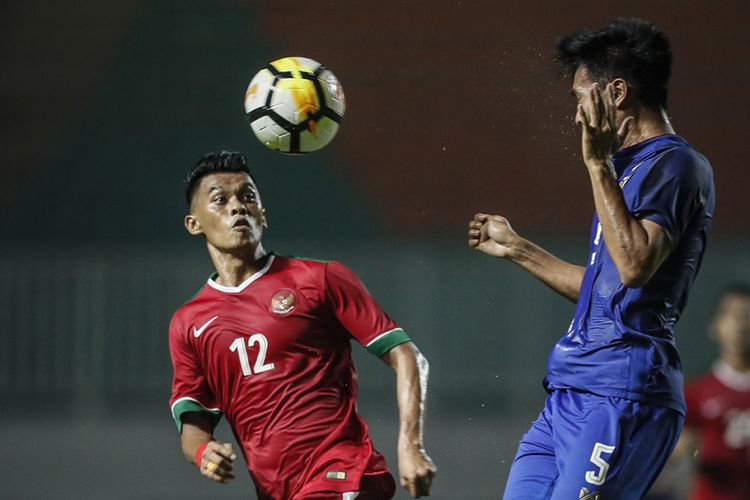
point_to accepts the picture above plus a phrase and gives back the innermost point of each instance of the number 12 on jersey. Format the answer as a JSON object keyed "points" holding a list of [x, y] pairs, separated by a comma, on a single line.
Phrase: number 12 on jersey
{"points": [[260, 361]]}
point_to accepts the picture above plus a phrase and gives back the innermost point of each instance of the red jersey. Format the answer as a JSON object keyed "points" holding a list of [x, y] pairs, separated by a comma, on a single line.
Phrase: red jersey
{"points": [[273, 355], [719, 412]]}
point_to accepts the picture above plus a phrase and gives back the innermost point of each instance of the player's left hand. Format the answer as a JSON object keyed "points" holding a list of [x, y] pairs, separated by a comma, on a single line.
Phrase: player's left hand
{"points": [[416, 470], [600, 135]]}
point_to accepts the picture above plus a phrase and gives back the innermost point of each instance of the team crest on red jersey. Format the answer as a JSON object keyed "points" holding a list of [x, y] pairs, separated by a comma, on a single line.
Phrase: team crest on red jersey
{"points": [[283, 301]]}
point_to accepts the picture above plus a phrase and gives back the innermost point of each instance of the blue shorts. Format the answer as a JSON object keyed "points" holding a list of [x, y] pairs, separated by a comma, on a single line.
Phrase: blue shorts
{"points": [[587, 447]]}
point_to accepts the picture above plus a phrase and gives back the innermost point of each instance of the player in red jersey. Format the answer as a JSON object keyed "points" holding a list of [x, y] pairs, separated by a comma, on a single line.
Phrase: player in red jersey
{"points": [[717, 428], [266, 343]]}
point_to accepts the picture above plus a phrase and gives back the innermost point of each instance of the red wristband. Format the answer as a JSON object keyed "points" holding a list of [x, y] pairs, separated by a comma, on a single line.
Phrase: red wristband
{"points": [[199, 454]]}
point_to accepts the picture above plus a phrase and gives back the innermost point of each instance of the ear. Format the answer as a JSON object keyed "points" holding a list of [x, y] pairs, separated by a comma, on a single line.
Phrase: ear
{"points": [[264, 219], [192, 225], [621, 92]]}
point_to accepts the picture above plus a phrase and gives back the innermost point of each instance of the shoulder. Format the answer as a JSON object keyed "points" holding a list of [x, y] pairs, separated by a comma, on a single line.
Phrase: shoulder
{"points": [[702, 379], [702, 384], [313, 266], [183, 316], [297, 262], [300, 267], [311, 276], [331, 276], [180, 319], [675, 175], [682, 161], [336, 271]]}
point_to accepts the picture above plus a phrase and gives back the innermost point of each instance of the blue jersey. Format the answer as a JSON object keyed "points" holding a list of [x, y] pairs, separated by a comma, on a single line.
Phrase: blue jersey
{"points": [[620, 342]]}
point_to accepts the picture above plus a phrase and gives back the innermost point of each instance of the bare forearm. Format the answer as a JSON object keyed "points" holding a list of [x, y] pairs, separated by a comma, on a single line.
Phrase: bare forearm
{"points": [[561, 276], [412, 399], [416, 468], [411, 369], [632, 248], [195, 432]]}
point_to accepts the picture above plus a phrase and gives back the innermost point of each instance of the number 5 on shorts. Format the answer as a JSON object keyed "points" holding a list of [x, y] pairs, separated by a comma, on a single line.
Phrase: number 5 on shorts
{"points": [[597, 477]]}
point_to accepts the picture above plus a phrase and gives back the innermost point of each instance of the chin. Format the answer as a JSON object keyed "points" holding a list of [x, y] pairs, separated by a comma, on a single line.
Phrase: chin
{"points": [[244, 245], [235, 245], [238, 245]]}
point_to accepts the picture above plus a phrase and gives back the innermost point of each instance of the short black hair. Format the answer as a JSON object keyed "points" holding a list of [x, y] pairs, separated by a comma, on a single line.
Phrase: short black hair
{"points": [[635, 50], [212, 163]]}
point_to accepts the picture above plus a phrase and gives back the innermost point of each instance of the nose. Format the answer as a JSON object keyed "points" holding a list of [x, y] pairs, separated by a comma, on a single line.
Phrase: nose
{"points": [[238, 208]]}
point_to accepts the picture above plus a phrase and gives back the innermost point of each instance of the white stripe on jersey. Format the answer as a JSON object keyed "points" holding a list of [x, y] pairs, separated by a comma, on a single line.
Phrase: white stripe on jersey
{"points": [[381, 336], [244, 284], [180, 400]]}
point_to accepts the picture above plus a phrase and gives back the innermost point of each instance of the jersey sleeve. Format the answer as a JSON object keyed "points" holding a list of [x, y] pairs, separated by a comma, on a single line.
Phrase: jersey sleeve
{"points": [[358, 312], [670, 193], [190, 391]]}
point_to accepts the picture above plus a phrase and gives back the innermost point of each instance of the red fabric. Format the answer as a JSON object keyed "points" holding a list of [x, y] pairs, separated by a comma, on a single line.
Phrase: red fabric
{"points": [[721, 417], [372, 487], [199, 454], [297, 421]]}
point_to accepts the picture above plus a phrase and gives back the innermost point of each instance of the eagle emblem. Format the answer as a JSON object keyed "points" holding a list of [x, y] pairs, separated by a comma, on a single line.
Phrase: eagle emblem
{"points": [[283, 301]]}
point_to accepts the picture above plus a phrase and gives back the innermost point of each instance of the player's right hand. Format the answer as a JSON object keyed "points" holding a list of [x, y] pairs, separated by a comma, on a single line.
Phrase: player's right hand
{"points": [[600, 134], [217, 462], [492, 234]]}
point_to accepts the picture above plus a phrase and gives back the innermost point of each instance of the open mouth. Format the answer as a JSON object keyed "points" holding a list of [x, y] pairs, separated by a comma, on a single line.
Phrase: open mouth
{"points": [[241, 224]]}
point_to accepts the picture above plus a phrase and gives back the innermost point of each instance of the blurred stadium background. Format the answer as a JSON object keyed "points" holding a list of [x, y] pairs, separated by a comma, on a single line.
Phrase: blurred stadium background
{"points": [[454, 107]]}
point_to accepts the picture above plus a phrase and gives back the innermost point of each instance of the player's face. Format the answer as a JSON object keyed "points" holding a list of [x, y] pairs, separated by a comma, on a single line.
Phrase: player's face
{"points": [[582, 83], [732, 324], [227, 210]]}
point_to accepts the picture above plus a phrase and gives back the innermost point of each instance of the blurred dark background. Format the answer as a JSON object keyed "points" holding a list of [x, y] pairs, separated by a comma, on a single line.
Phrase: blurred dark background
{"points": [[454, 107]]}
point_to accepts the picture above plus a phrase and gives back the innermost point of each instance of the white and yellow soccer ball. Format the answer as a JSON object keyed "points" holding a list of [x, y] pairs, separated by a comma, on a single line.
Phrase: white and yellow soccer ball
{"points": [[294, 105]]}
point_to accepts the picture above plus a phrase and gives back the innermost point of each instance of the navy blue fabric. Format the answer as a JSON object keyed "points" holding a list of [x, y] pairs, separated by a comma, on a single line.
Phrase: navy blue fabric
{"points": [[588, 446], [620, 342]]}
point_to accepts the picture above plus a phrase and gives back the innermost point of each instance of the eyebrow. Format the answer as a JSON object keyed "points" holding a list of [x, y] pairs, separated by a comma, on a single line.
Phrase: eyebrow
{"points": [[246, 185]]}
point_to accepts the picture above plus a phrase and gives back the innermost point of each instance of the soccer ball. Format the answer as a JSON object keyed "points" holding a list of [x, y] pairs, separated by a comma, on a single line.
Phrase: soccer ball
{"points": [[294, 105]]}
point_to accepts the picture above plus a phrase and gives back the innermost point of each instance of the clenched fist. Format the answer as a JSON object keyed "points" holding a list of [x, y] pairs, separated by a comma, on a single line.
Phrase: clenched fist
{"points": [[493, 235], [217, 462]]}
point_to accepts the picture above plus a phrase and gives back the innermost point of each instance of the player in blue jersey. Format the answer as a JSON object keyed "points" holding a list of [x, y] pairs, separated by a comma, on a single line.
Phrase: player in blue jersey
{"points": [[615, 407]]}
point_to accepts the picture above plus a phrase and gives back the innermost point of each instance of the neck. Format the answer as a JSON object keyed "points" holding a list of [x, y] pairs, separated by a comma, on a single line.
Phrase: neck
{"points": [[737, 362], [647, 123], [234, 268]]}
